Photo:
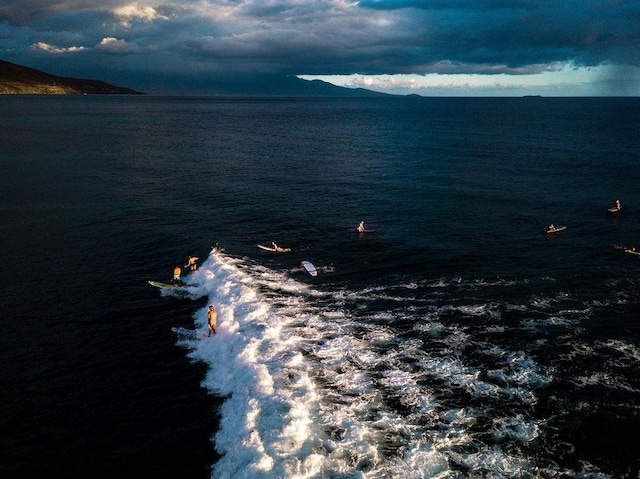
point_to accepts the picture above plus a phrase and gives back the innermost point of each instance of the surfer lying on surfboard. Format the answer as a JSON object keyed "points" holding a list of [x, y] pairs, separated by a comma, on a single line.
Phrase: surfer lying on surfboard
{"points": [[279, 249], [627, 249]]}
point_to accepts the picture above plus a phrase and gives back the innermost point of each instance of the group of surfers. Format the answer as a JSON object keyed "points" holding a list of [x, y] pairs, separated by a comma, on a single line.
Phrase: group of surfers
{"points": [[193, 265], [279, 249], [177, 271], [212, 313], [360, 229], [616, 208]]}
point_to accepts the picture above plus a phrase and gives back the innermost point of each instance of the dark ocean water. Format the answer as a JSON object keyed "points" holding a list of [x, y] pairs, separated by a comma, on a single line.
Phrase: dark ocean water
{"points": [[457, 340]]}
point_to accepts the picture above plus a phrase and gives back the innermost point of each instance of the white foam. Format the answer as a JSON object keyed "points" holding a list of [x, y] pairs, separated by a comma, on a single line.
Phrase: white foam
{"points": [[313, 389], [516, 427]]}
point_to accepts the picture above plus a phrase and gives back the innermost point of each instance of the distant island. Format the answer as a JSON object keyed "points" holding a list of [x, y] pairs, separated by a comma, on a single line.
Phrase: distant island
{"points": [[281, 85], [20, 80]]}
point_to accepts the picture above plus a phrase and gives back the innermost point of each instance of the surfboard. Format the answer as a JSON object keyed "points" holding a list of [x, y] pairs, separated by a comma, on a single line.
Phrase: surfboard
{"points": [[555, 230], [161, 285], [363, 231], [311, 269], [185, 333], [614, 210], [273, 250], [626, 249]]}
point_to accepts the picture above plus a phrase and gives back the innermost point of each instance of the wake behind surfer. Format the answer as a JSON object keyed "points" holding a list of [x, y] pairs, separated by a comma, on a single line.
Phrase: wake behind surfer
{"points": [[212, 316]]}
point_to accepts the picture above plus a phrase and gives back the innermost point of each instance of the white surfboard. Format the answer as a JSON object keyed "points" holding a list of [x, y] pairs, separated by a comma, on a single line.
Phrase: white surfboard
{"points": [[185, 333], [311, 269], [161, 285]]}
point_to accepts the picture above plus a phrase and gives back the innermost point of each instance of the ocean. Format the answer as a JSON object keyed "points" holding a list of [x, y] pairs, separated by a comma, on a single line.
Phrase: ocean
{"points": [[458, 340]]}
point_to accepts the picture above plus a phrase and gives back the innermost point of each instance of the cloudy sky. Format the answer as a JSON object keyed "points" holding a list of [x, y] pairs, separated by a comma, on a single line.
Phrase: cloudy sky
{"points": [[426, 47]]}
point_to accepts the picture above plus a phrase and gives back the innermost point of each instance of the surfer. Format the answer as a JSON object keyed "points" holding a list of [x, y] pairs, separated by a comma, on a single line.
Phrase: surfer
{"points": [[617, 205], [279, 249], [191, 263], [177, 272], [360, 228], [551, 228], [212, 314]]}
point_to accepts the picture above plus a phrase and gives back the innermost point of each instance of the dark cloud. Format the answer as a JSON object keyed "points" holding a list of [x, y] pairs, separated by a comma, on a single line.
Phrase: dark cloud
{"points": [[22, 12], [487, 37], [458, 5]]}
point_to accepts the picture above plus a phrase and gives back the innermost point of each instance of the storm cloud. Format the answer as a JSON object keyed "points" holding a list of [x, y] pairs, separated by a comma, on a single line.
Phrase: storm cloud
{"points": [[174, 40]]}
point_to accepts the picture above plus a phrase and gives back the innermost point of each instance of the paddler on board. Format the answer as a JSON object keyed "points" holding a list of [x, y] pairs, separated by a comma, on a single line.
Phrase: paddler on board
{"points": [[279, 249], [360, 228]]}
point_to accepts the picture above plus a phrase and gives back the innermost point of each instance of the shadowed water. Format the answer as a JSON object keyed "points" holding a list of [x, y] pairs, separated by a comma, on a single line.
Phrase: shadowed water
{"points": [[457, 340]]}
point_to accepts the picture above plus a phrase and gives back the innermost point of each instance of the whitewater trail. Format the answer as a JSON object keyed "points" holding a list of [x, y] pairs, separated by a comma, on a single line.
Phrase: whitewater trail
{"points": [[313, 389]]}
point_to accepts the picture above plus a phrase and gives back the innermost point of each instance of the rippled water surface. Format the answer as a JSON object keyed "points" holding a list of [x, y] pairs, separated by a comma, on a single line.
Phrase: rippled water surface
{"points": [[458, 340]]}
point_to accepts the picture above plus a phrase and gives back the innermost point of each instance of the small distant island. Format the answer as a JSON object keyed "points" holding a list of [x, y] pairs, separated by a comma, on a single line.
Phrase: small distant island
{"points": [[20, 80]]}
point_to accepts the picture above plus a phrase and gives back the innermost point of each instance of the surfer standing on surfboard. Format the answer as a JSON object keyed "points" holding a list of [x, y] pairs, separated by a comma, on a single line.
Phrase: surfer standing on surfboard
{"points": [[191, 263], [212, 314]]}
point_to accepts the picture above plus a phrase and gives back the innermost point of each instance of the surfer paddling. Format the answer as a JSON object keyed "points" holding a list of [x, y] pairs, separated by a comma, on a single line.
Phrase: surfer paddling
{"points": [[212, 315], [617, 206], [279, 249], [191, 263]]}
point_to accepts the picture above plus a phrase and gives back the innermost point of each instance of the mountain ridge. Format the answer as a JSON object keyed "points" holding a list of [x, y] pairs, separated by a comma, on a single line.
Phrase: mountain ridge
{"points": [[18, 79]]}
